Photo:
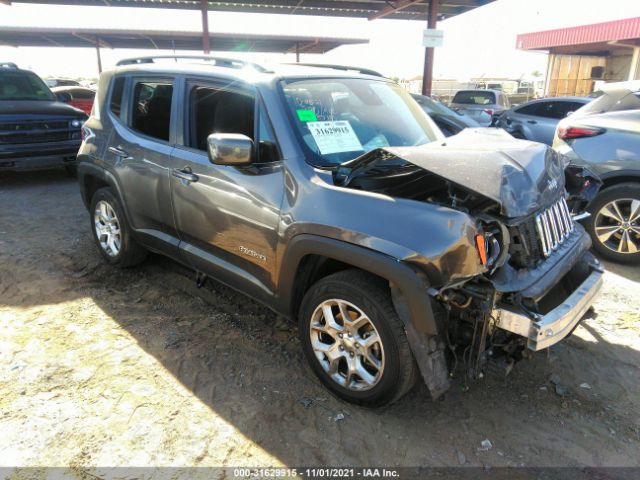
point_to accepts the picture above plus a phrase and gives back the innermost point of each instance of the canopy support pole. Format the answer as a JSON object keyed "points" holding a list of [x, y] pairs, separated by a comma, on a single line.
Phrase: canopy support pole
{"points": [[427, 76], [98, 55], [634, 68], [206, 43], [297, 52]]}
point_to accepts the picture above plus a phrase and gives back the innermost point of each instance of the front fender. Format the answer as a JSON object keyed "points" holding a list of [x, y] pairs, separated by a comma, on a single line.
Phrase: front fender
{"points": [[412, 286]]}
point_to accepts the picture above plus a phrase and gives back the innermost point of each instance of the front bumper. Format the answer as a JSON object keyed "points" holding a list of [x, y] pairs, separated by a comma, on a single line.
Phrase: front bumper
{"points": [[544, 331], [34, 157], [38, 163]]}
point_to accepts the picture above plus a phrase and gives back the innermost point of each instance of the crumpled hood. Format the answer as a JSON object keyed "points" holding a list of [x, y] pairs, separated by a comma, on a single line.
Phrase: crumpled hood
{"points": [[521, 176]]}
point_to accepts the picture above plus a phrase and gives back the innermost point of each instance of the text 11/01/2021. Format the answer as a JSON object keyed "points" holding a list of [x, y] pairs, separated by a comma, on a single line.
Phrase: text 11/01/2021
{"points": [[314, 473]]}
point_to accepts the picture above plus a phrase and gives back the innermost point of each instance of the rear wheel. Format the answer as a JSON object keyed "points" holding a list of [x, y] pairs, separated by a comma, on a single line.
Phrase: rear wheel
{"points": [[354, 340], [112, 233], [614, 224]]}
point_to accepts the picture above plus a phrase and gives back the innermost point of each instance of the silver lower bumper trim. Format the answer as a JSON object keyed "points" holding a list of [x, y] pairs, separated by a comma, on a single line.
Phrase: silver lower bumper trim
{"points": [[549, 329]]}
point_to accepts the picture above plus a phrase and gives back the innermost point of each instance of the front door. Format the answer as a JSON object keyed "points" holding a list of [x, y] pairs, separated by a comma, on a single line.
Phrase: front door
{"points": [[227, 217]]}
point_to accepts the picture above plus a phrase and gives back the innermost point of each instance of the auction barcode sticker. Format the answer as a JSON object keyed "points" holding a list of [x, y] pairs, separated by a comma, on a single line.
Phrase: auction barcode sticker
{"points": [[334, 137]]}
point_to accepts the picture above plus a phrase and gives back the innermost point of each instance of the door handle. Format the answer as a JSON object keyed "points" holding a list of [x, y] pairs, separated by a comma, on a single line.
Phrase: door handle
{"points": [[118, 152], [185, 174], [532, 122]]}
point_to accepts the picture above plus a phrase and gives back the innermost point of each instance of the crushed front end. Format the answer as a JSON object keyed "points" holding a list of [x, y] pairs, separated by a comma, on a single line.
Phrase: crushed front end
{"points": [[538, 278], [533, 300]]}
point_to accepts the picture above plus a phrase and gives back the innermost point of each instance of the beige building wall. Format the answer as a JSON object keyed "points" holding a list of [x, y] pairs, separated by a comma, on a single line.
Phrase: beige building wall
{"points": [[572, 74]]}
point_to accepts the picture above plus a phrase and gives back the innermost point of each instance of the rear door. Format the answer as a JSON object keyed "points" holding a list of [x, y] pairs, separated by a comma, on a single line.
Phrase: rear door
{"points": [[548, 115], [227, 216], [527, 120], [139, 153]]}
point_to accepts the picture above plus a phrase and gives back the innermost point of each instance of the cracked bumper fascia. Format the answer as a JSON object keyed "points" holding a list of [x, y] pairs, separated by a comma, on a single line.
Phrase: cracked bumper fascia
{"points": [[544, 331]]}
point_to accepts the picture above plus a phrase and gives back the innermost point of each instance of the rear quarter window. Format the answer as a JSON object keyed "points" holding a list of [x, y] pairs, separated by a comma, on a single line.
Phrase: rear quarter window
{"points": [[474, 98], [115, 103], [82, 94]]}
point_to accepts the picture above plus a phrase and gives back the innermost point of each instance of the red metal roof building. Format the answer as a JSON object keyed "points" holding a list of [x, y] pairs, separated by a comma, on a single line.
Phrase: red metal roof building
{"points": [[581, 56]]}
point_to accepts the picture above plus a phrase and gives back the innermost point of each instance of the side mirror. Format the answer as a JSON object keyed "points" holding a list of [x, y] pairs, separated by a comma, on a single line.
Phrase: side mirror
{"points": [[229, 149], [569, 113], [64, 97]]}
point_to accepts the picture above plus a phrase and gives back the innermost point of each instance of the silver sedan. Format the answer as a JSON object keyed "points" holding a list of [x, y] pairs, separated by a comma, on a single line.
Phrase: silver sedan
{"points": [[537, 120]]}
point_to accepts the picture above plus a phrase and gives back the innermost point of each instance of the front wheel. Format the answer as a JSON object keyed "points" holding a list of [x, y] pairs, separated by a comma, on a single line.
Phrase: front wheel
{"points": [[354, 340], [614, 224]]}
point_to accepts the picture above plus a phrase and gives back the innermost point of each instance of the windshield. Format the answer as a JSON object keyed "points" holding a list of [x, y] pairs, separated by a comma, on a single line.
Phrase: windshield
{"points": [[340, 118], [612, 101], [19, 85], [474, 97]]}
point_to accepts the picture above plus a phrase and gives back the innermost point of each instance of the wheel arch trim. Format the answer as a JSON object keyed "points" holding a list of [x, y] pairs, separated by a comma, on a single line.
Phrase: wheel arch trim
{"points": [[412, 287], [87, 169], [616, 177]]}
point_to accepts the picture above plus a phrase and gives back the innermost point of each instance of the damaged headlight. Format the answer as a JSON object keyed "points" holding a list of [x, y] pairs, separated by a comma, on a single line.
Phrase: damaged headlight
{"points": [[492, 245]]}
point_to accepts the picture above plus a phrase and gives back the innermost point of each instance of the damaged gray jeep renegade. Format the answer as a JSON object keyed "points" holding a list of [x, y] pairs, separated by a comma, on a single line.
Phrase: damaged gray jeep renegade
{"points": [[333, 199]]}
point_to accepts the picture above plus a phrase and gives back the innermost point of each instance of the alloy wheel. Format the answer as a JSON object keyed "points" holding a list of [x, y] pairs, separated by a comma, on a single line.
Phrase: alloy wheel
{"points": [[347, 345], [617, 225], [107, 228]]}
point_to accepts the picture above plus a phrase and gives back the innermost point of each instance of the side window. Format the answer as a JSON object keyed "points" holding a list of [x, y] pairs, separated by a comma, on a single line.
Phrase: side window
{"points": [[531, 109], [213, 110], [116, 95], [151, 109], [555, 110], [83, 94]]}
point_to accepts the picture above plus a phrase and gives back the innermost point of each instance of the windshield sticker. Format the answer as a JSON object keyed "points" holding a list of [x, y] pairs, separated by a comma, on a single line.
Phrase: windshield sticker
{"points": [[307, 115], [334, 137]]}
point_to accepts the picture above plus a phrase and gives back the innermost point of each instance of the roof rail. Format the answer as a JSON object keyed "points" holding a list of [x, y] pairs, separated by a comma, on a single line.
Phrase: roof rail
{"points": [[8, 65], [217, 61], [346, 68]]}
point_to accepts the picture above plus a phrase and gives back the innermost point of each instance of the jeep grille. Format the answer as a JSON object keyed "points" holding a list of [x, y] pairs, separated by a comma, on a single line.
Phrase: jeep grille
{"points": [[554, 225]]}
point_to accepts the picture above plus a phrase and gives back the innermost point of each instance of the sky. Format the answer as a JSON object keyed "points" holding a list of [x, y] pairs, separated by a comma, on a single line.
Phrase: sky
{"points": [[478, 43]]}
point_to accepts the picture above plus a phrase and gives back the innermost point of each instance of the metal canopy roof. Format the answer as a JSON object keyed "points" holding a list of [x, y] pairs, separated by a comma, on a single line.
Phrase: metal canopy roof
{"points": [[167, 40], [584, 38], [371, 9]]}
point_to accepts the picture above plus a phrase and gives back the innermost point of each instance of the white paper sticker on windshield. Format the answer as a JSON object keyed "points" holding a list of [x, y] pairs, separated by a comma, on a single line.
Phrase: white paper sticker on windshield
{"points": [[334, 137]]}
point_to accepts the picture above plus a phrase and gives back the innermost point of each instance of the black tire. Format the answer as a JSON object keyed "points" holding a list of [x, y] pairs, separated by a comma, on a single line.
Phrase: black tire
{"points": [[72, 170], [618, 192], [130, 252], [371, 295]]}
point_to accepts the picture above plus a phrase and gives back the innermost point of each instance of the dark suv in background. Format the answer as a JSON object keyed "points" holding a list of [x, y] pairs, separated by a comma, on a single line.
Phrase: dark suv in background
{"points": [[36, 129], [331, 197]]}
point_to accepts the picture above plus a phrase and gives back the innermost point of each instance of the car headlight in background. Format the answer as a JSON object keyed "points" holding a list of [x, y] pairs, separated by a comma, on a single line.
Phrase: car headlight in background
{"points": [[76, 123]]}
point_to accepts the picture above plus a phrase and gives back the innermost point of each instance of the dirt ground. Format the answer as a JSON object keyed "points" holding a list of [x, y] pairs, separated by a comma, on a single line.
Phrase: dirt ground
{"points": [[101, 367]]}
